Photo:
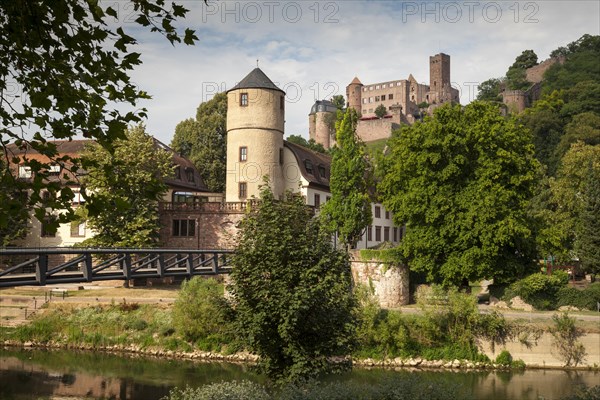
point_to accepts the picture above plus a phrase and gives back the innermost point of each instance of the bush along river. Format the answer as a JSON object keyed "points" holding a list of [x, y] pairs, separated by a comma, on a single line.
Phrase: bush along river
{"points": [[59, 374]]}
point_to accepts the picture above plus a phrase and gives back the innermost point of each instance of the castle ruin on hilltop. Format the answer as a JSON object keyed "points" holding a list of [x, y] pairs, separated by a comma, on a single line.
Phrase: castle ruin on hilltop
{"points": [[405, 100]]}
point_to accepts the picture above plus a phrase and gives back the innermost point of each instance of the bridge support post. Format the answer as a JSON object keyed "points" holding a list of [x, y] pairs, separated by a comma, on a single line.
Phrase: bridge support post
{"points": [[42, 269], [190, 264], [127, 267], [160, 269], [215, 265], [87, 267]]}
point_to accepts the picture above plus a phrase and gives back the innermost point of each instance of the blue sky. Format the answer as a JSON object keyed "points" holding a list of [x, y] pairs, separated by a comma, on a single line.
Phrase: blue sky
{"points": [[313, 49]]}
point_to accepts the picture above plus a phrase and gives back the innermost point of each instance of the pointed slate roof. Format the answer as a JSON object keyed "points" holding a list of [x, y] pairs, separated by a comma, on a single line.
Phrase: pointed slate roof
{"points": [[356, 81], [256, 80]]}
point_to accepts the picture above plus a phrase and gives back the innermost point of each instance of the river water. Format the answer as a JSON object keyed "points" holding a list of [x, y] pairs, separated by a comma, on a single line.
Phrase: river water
{"points": [[37, 374]]}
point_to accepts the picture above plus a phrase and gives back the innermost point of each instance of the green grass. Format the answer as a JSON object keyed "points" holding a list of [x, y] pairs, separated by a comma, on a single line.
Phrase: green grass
{"points": [[376, 146]]}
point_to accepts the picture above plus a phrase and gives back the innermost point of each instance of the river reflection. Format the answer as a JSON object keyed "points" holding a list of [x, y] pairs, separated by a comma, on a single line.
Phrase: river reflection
{"points": [[40, 374]]}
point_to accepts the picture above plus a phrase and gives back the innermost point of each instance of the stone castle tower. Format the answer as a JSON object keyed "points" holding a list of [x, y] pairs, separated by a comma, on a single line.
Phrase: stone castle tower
{"points": [[354, 95], [439, 79], [255, 129], [321, 123]]}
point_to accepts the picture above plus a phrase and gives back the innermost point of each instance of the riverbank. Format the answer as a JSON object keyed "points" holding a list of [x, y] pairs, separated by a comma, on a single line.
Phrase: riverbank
{"points": [[84, 321], [34, 373], [397, 363]]}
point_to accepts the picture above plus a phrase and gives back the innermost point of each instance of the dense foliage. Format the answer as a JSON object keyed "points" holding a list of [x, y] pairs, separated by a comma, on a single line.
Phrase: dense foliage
{"points": [[516, 74], [583, 299], [15, 213], [348, 212], [129, 181], [202, 315], [291, 289], [309, 144], [64, 69], [448, 327], [204, 141], [461, 182], [540, 290]]}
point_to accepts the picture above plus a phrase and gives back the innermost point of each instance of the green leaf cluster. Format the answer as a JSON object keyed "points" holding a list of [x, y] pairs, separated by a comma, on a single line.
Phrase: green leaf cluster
{"points": [[516, 74], [539, 290], [204, 141], [201, 314], [348, 212], [309, 144], [461, 182], [64, 72], [124, 188], [291, 289]]}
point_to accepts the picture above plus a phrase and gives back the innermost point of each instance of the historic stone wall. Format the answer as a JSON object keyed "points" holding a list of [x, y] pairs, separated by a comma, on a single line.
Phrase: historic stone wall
{"points": [[374, 129], [389, 282], [214, 229], [535, 74], [515, 100]]}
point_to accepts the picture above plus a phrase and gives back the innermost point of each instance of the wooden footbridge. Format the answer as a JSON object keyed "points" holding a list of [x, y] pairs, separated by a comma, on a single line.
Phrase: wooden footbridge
{"points": [[47, 266]]}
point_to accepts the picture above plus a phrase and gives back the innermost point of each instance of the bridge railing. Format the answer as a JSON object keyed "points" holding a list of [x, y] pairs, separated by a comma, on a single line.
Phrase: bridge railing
{"points": [[45, 266]]}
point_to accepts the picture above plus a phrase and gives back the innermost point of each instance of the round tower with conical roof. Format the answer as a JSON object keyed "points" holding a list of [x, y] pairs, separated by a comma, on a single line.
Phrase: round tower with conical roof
{"points": [[354, 95], [255, 129]]}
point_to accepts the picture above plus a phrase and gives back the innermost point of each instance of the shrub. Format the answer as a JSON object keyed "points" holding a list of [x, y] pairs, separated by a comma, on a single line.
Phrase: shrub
{"points": [[406, 387], [586, 299], [566, 335], [448, 328], [518, 364], [201, 311], [504, 358], [539, 290], [243, 390], [585, 393]]}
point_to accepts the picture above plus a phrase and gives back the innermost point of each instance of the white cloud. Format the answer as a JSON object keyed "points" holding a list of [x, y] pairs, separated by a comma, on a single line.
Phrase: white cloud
{"points": [[374, 40]]}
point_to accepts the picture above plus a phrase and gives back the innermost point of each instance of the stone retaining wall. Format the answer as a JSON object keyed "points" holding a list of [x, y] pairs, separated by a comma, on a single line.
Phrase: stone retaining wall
{"points": [[388, 281], [544, 355]]}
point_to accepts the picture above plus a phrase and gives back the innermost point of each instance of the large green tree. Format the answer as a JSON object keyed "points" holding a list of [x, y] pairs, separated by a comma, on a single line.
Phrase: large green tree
{"points": [[204, 141], [348, 212], [130, 181], [546, 124], [572, 195], [64, 72], [588, 232], [490, 90], [580, 64], [291, 289], [339, 101], [461, 181], [516, 74]]}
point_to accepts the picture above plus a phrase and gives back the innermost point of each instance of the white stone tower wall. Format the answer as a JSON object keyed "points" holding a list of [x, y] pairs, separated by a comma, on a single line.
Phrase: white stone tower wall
{"points": [[259, 127]]}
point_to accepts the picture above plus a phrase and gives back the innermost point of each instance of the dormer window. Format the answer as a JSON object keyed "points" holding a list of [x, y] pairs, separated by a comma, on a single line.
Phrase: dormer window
{"points": [[244, 99], [309, 166], [189, 175], [24, 172], [322, 171], [177, 172], [54, 170]]}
